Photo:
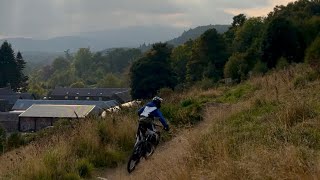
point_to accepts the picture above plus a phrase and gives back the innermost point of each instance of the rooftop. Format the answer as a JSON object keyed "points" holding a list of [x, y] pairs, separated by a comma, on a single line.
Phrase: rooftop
{"points": [[88, 92], [58, 111], [23, 104]]}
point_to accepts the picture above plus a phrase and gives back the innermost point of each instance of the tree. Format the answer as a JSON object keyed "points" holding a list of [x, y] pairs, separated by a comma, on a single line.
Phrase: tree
{"points": [[152, 72], [22, 79], [313, 54], [248, 35], [60, 64], [83, 61], [282, 39], [209, 55], [179, 59], [237, 67], [110, 81], [238, 20], [78, 84], [11, 68]]}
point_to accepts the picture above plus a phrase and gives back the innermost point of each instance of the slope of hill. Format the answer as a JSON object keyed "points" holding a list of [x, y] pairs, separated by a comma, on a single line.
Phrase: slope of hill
{"points": [[195, 33], [266, 127], [190, 34]]}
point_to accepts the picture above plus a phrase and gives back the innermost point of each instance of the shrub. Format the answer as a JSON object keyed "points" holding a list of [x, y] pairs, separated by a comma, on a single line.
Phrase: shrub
{"points": [[237, 93], [296, 112], [71, 176], [307, 135], [302, 80], [282, 63], [187, 102], [165, 92], [237, 67], [313, 55], [205, 84], [84, 168], [2, 139], [260, 68], [15, 140], [104, 134]]}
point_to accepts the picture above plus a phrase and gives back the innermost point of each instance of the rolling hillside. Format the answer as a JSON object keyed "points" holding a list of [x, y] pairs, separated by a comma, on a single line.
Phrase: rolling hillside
{"points": [[266, 127]]}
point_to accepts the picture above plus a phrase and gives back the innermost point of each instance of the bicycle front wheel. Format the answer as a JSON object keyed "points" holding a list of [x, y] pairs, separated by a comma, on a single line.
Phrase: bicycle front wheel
{"points": [[132, 163]]}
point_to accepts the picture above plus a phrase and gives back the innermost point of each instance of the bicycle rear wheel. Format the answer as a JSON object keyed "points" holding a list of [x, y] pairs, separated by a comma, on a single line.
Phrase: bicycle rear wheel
{"points": [[149, 149]]}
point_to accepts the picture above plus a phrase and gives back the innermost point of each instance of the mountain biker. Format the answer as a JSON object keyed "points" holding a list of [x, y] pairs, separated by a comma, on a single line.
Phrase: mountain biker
{"points": [[146, 116]]}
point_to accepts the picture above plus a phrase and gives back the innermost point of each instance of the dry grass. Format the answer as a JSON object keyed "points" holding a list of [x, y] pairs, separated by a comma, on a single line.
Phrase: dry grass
{"points": [[273, 134], [73, 150], [269, 130]]}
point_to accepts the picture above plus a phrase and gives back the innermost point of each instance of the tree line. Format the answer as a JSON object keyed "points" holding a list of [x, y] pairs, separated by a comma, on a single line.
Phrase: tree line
{"points": [[85, 69], [289, 34]]}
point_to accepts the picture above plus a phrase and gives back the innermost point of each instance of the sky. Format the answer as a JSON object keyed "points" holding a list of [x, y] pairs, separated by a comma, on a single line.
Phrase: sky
{"points": [[51, 18]]}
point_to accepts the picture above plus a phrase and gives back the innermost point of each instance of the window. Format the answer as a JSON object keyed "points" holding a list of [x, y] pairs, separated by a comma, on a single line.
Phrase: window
{"points": [[88, 98], [76, 98], [66, 97]]}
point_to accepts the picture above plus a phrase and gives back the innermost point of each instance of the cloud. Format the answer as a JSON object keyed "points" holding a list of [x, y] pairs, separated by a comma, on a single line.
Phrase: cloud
{"points": [[49, 18], [258, 11]]}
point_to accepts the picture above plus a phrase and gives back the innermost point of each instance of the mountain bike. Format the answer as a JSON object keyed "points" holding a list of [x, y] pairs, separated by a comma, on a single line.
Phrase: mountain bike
{"points": [[144, 147]]}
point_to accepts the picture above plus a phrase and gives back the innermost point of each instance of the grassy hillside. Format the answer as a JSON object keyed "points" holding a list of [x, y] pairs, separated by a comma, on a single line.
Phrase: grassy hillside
{"points": [[265, 128], [271, 130]]}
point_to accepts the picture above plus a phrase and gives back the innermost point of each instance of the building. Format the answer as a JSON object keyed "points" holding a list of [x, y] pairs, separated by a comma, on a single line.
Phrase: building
{"points": [[8, 98], [10, 120], [40, 116], [122, 97], [95, 94], [24, 104]]}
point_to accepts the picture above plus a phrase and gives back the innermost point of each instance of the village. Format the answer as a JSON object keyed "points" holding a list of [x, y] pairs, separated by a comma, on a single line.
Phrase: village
{"points": [[22, 112]]}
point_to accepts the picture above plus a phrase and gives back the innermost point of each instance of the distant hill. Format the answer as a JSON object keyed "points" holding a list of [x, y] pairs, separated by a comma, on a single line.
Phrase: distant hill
{"points": [[190, 34], [97, 41], [195, 33]]}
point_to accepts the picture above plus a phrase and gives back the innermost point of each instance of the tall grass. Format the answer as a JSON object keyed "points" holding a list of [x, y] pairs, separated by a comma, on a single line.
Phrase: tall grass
{"points": [[73, 151], [273, 133]]}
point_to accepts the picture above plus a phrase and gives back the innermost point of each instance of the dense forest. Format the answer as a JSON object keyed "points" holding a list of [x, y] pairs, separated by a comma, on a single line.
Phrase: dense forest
{"points": [[250, 46]]}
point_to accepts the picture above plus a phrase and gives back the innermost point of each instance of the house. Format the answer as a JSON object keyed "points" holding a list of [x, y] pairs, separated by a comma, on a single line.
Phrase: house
{"points": [[24, 104], [123, 96], [95, 94], [40, 116], [8, 98], [10, 120]]}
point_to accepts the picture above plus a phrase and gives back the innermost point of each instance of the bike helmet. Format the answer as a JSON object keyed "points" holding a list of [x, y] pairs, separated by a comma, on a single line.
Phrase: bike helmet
{"points": [[157, 101]]}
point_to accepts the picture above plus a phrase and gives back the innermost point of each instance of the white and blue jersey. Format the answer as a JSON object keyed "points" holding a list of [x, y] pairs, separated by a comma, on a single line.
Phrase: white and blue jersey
{"points": [[150, 110]]}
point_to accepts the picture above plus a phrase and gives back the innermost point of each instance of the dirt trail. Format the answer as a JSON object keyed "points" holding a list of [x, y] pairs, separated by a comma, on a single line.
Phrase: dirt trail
{"points": [[169, 159]]}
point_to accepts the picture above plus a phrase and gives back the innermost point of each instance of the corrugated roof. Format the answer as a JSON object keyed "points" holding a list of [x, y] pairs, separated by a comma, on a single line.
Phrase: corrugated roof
{"points": [[58, 111], [23, 104], [124, 96], [87, 92]]}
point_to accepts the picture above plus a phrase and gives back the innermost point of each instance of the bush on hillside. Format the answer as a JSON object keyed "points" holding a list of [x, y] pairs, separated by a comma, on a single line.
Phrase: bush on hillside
{"points": [[237, 67], [259, 68], [2, 139], [313, 55], [84, 168], [282, 63], [15, 140]]}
